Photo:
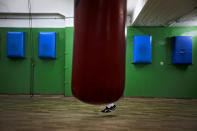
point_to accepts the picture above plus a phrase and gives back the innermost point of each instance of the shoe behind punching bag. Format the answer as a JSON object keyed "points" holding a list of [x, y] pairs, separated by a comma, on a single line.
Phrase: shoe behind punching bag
{"points": [[98, 73]]}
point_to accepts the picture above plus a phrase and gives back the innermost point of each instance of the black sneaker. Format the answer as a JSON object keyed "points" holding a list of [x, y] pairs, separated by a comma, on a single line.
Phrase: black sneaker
{"points": [[113, 107], [106, 110]]}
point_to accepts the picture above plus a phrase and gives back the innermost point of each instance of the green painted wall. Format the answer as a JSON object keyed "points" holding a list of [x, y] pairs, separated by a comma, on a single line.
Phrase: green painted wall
{"points": [[15, 74], [69, 31], [154, 80], [49, 74], [54, 76]]}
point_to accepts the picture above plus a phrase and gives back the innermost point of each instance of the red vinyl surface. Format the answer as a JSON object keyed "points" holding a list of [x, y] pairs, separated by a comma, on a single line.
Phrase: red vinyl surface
{"points": [[98, 74]]}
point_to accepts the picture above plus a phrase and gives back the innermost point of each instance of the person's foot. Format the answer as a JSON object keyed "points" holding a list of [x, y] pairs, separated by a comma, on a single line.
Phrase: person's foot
{"points": [[113, 107], [106, 110]]}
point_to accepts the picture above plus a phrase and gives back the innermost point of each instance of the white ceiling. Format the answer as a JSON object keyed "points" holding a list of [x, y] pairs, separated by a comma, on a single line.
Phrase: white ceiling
{"points": [[164, 12], [187, 20]]}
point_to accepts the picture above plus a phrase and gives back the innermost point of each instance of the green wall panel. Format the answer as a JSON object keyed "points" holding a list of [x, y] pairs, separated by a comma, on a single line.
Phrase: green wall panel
{"points": [[142, 80], [49, 73], [155, 80], [151, 80], [68, 60], [14, 73]]}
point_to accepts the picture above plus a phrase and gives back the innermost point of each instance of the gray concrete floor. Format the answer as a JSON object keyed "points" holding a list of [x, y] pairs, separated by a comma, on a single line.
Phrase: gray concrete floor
{"points": [[68, 114]]}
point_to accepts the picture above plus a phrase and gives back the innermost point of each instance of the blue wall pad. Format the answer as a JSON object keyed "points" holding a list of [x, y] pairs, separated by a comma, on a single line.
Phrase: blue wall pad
{"points": [[16, 44], [47, 45], [142, 49], [182, 50]]}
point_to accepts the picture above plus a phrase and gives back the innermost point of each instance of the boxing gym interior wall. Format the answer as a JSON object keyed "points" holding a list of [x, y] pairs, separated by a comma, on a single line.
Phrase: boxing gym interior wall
{"points": [[161, 78], [32, 75], [16, 74]]}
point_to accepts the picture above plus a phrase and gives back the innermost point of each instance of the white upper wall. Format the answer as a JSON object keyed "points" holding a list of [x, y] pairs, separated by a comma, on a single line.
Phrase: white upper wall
{"points": [[131, 5], [61, 9], [136, 10], [13, 6], [56, 11], [64, 7], [60, 13]]}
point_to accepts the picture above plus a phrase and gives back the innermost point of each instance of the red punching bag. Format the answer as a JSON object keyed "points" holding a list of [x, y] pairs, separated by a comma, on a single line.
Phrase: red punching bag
{"points": [[98, 73]]}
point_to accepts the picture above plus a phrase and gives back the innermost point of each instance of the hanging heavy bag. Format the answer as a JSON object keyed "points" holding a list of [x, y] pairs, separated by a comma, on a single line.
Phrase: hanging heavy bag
{"points": [[98, 72]]}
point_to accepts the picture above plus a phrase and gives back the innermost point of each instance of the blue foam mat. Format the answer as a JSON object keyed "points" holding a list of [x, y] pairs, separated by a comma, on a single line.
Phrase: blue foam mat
{"points": [[142, 49], [16, 44], [47, 45], [182, 50]]}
